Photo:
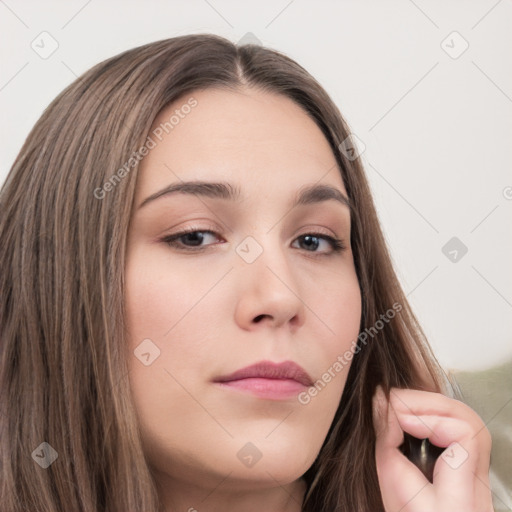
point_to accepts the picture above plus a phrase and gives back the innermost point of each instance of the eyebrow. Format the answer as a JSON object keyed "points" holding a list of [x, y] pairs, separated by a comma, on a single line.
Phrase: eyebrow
{"points": [[309, 194]]}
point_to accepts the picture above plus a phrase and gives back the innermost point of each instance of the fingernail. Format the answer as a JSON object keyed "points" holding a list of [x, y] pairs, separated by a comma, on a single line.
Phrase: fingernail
{"points": [[380, 396], [379, 400], [380, 407]]}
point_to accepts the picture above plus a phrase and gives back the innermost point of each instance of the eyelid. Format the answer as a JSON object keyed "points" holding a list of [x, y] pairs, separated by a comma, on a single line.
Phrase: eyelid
{"points": [[338, 245], [190, 229]]}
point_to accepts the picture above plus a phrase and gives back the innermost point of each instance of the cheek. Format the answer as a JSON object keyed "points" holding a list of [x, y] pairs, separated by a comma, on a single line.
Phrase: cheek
{"points": [[339, 307], [339, 303], [167, 318], [158, 295], [159, 318]]}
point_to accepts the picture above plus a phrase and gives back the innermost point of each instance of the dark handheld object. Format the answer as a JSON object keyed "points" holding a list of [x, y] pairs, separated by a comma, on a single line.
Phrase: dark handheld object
{"points": [[422, 453]]}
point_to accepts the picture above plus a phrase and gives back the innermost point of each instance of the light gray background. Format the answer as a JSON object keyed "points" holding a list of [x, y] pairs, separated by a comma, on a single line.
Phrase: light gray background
{"points": [[436, 125]]}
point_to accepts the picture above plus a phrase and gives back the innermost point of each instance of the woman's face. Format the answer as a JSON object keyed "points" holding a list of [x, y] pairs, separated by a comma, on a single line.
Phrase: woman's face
{"points": [[257, 288]]}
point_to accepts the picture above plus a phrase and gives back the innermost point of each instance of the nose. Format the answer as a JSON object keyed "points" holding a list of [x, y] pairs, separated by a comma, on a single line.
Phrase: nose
{"points": [[268, 292]]}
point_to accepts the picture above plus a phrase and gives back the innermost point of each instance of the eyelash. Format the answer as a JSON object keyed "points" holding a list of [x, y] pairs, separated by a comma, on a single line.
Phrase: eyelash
{"points": [[337, 244]]}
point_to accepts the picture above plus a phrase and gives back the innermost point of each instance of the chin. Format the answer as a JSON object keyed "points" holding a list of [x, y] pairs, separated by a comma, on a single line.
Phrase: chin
{"points": [[272, 462], [265, 477]]}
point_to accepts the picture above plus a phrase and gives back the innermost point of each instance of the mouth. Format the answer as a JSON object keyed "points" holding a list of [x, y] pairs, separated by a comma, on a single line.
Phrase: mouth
{"points": [[268, 380]]}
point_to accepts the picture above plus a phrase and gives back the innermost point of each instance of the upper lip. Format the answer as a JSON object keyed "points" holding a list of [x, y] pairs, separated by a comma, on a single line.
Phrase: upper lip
{"points": [[270, 370]]}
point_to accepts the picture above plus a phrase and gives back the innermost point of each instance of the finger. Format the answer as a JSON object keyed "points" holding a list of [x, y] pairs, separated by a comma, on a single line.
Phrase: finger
{"points": [[402, 484], [461, 473], [462, 423], [426, 402], [454, 469], [385, 425]]}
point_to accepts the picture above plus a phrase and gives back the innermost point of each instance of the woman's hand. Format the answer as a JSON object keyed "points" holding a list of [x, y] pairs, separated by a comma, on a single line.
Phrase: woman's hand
{"points": [[461, 473]]}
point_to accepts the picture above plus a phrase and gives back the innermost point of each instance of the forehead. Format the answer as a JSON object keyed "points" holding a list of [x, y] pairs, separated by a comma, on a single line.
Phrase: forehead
{"points": [[249, 137]]}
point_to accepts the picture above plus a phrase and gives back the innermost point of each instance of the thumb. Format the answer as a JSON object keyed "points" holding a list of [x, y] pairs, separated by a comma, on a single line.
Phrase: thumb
{"points": [[386, 426], [399, 479], [380, 412]]}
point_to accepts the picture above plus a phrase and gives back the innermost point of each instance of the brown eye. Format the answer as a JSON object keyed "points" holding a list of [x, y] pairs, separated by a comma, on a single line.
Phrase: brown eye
{"points": [[188, 239], [312, 241]]}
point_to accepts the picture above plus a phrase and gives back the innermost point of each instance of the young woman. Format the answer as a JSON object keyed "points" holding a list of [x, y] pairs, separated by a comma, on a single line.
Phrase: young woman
{"points": [[199, 311]]}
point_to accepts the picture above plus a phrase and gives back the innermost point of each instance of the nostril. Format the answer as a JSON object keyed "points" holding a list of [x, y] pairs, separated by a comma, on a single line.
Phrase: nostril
{"points": [[259, 317]]}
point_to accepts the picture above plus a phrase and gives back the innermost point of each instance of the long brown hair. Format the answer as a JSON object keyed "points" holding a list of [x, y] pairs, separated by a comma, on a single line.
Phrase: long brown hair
{"points": [[62, 248]]}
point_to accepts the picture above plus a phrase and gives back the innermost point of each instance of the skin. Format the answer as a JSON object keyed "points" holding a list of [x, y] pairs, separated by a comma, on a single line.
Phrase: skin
{"points": [[211, 301], [461, 473], [210, 313]]}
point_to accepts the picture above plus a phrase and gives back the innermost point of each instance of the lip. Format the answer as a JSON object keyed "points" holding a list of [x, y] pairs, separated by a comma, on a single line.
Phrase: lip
{"points": [[268, 380]]}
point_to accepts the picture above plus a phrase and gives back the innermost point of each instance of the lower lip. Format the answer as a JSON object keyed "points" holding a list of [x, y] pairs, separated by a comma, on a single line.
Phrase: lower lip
{"points": [[277, 389]]}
